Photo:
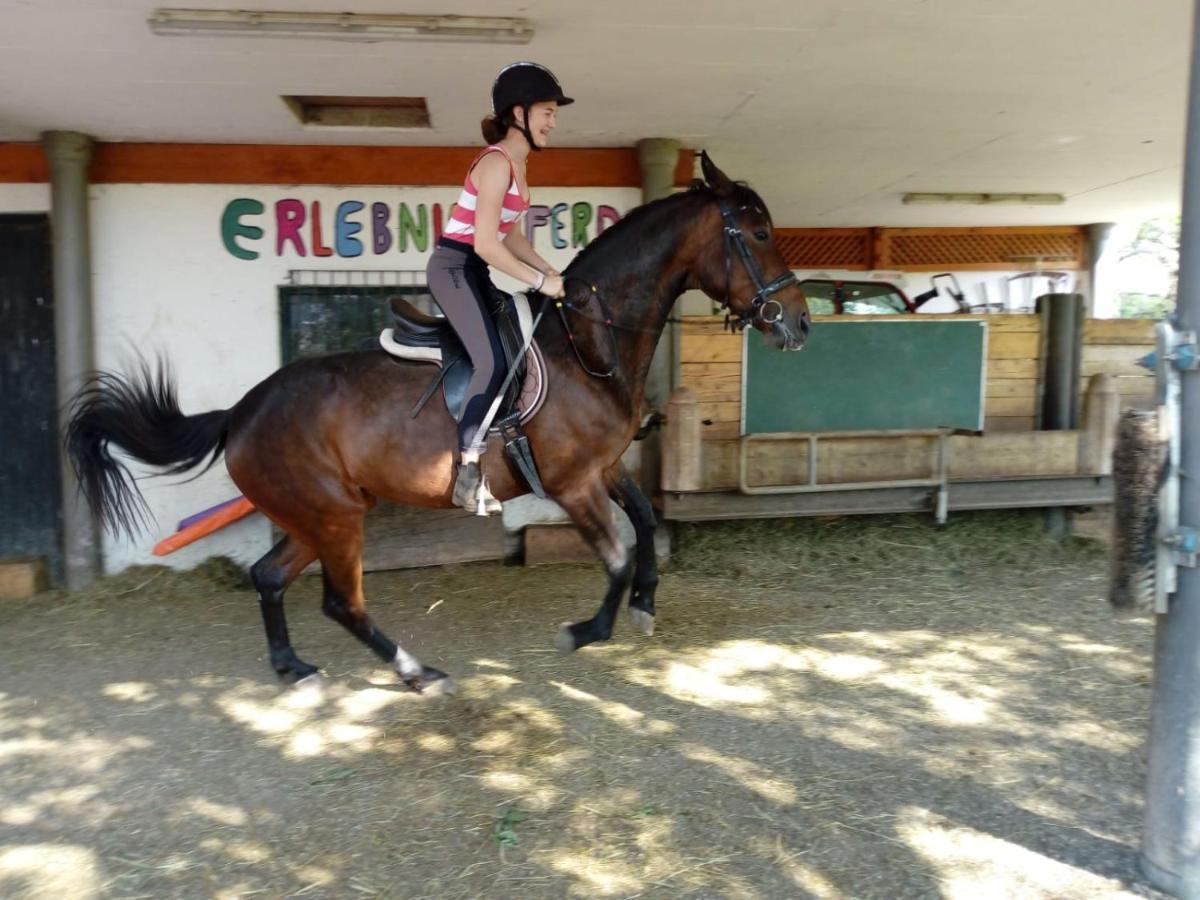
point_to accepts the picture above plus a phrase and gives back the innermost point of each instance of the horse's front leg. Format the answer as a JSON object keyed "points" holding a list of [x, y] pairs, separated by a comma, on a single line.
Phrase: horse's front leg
{"points": [[587, 504], [625, 491]]}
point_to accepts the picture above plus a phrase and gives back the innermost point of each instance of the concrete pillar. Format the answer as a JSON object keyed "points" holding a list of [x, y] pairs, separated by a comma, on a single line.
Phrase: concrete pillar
{"points": [[1102, 299], [657, 160], [69, 153]]}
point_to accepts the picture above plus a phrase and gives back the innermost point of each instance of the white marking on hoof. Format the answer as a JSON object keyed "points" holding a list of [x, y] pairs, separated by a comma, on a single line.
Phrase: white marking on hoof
{"points": [[564, 641], [406, 664], [443, 687], [642, 620], [309, 690]]}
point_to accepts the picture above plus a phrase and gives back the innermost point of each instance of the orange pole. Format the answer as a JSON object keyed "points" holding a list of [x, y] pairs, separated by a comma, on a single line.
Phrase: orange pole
{"points": [[204, 527]]}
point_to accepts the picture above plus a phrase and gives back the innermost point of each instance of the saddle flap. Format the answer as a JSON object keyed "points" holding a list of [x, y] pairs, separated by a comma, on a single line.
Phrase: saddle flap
{"points": [[514, 323], [423, 338], [408, 315]]}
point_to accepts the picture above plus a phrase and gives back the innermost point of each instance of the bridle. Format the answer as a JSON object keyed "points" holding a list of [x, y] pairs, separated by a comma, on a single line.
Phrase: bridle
{"points": [[764, 308], [762, 301]]}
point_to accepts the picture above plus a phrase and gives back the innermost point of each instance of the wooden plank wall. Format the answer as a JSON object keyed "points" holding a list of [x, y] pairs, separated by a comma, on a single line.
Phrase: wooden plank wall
{"points": [[850, 460], [1114, 346], [1013, 364], [711, 365]]}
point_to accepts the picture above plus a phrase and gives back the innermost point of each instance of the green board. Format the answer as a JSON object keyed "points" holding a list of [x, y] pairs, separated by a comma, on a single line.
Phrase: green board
{"points": [[901, 373]]}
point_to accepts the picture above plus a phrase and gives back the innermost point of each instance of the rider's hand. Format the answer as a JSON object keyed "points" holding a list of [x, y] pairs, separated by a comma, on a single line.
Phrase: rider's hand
{"points": [[553, 286]]}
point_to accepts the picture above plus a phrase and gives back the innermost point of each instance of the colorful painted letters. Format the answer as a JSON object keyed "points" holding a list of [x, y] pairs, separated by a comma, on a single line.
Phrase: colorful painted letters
{"points": [[300, 228]]}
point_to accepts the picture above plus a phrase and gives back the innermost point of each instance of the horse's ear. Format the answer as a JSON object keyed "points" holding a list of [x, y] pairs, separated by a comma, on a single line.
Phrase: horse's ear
{"points": [[717, 180]]}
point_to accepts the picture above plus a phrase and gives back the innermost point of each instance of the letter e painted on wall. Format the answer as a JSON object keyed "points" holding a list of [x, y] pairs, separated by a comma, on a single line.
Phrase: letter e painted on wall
{"points": [[232, 226], [556, 226], [347, 244]]}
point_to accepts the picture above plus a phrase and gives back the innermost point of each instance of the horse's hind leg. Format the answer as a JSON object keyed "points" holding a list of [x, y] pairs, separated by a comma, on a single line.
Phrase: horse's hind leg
{"points": [[588, 507], [341, 562], [271, 575], [623, 489]]}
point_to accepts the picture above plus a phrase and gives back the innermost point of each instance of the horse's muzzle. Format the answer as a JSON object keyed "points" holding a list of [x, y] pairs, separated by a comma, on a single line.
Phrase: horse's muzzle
{"points": [[791, 332]]}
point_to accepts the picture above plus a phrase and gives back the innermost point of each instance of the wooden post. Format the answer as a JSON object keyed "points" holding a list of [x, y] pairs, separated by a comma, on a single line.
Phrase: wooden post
{"points": [[1101, 409], [681, 443]]}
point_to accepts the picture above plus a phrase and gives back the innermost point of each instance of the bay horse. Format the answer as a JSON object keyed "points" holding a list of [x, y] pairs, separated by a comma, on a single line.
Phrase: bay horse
{"points": [[316, 444]]}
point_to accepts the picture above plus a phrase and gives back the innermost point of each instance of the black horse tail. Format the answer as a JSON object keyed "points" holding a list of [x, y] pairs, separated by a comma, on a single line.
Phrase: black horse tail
{"points": [[140, 414]]}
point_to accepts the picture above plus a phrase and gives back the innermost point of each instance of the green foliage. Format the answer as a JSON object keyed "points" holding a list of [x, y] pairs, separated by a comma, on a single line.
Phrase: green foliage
{"points": [[1145, 306], [505, 833], [1158, 240]]}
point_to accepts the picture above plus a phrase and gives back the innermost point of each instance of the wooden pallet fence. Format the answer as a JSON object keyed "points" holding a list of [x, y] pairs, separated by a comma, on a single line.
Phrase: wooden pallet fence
{"points": [[693, 464], [1113, 347], [711, 366]]}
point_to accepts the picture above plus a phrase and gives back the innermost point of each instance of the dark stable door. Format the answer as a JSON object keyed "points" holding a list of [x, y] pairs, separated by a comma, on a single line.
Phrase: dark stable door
{"points": [[29, 459]]}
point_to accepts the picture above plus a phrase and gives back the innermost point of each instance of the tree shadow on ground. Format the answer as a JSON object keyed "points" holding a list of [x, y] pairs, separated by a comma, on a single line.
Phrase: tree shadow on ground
{"points": [[892, 737]]}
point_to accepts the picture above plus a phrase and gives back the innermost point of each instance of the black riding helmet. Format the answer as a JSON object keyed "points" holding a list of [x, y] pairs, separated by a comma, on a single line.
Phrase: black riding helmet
{"points": [[524, 84]]}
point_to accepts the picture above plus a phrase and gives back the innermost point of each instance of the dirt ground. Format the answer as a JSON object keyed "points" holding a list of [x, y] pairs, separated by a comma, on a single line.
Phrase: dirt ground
{"points": [[868, 709]]}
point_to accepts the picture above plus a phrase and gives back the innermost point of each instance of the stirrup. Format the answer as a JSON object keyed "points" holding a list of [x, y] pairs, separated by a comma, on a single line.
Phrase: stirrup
{"points": [[471, 492]]}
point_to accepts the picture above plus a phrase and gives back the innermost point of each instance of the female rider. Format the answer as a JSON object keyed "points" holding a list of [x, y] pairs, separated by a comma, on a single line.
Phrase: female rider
{"points": [[481, 231]]}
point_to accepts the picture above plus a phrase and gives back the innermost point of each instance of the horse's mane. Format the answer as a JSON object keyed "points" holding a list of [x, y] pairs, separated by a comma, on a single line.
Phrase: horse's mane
{"points": [[642, 231]]}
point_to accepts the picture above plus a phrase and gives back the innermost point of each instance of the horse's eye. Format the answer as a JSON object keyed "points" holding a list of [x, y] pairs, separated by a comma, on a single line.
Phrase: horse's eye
{"points": [[761, 235]]}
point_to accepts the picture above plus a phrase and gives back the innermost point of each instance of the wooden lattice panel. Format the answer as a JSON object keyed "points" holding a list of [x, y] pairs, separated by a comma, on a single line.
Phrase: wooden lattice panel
{"points": [[825, 248], [980, 248]]}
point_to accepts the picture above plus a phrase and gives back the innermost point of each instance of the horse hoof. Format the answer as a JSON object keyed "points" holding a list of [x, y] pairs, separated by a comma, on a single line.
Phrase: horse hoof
{"points": [[309, 690], [442, 687], [314, 681], [432, 683], [564, 642], [642, 620]]}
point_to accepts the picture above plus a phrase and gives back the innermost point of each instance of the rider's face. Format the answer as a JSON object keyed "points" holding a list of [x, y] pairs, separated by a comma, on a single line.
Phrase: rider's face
{"points": [[542, 120]]}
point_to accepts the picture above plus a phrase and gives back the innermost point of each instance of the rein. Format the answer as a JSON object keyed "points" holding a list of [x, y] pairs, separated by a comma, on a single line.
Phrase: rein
{"points": [[607, 321], [735, 242]]}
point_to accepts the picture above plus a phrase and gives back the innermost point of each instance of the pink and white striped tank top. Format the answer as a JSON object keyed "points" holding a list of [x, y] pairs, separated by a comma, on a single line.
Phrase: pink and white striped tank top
{"points": [[461, 224]]}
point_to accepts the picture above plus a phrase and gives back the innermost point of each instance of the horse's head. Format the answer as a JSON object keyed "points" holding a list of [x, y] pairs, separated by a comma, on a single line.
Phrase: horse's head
{"points": [[741, 267]]}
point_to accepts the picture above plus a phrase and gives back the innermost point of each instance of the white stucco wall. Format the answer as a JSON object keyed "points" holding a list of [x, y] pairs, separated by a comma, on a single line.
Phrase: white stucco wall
{"points": [[24, 198], [165, 283]]}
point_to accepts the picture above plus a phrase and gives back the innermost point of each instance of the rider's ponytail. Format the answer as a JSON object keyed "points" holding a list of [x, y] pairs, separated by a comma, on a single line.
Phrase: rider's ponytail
{"points": [[494, 128]]}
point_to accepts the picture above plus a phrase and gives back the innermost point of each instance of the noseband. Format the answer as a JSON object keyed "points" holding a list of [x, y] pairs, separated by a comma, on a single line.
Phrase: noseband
{"points": [[763, 308]]}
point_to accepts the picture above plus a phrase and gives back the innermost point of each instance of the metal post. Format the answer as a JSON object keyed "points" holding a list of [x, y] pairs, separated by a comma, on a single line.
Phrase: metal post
{"points": [[1062, 343], [657, 159], [1171, 843], [1102, 298], [69, 153], [1062, 325]]}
